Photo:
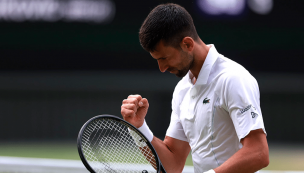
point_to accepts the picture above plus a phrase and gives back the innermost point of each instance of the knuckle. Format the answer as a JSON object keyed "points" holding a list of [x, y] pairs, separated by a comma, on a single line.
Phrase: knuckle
{"points": [[130, 96], [136, 96], [133, 100]]}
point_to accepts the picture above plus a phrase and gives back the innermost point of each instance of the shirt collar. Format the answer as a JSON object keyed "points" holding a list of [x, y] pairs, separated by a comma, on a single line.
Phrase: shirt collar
{"points": [[207, 66]]}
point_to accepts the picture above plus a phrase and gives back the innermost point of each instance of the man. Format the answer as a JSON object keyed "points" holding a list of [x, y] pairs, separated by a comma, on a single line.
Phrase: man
{"points": [[215, 107]]}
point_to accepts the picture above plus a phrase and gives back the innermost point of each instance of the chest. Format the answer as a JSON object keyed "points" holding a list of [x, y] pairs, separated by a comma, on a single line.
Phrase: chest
{"points": [[197, 111]]}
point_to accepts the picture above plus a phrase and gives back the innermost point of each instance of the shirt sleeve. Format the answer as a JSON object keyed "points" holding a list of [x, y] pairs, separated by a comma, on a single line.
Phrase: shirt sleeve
{"points": [[242, 99], [175, 129]]}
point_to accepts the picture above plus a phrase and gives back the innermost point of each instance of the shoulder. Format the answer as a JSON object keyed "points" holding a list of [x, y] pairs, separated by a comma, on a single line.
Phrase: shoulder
{"points": [[231, 72], [230, 77]]}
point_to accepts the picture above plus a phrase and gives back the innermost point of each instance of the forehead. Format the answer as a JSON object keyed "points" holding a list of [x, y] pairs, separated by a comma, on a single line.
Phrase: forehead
{"points": [[161, 50]]}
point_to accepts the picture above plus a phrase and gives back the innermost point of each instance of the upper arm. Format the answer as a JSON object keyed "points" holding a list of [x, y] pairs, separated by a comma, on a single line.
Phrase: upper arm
{"points": [[179, 148], [253, 156], [176, 140], [256, 143], [172, 153]]}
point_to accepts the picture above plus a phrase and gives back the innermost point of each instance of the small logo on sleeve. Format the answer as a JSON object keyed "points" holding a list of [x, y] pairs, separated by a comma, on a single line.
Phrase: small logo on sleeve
{"points": [[245, 109], [253, 115], [206, 100]]}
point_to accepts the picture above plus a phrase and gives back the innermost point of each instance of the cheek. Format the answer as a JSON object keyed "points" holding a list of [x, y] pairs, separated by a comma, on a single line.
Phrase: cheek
{"points": [[176, 64], [178, 61]]}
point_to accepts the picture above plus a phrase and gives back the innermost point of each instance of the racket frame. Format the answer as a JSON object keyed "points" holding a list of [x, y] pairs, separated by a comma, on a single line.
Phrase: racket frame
{"points": [[79, 143]]}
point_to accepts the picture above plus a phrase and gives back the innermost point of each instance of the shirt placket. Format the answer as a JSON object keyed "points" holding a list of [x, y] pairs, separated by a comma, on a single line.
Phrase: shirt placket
{"points": [[193, 100]]}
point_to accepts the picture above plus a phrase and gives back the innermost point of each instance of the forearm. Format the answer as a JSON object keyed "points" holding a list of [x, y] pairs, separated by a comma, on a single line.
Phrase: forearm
{"points": [[172, 160]]}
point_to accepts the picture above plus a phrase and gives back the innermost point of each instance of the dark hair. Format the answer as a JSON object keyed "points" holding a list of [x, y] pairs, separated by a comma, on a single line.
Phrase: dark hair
{"points": [[168, 22]]}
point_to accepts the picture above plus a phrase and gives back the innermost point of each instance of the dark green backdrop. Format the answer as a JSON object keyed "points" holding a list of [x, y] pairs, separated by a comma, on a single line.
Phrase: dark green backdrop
{"points": [[55, 76]]}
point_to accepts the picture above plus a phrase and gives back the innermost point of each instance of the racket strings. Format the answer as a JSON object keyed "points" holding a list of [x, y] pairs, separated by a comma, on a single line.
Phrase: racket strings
{"points": [[108, 146], [97, 151], [91, 152]]}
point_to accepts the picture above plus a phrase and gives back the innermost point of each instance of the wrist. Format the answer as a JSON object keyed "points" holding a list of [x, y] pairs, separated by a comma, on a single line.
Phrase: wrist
{"points": [[145, 130], [137, 139]]}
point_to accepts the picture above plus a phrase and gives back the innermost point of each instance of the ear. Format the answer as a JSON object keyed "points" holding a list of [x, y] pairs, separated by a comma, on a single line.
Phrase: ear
{"points": [[187, 44]]}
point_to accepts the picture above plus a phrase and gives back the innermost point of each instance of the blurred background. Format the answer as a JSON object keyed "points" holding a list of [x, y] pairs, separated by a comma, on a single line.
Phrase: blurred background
{"points": [[65, 61]]}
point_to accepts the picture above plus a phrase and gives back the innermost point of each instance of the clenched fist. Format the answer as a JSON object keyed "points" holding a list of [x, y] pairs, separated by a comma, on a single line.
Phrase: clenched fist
{"points": [[134, 110]]}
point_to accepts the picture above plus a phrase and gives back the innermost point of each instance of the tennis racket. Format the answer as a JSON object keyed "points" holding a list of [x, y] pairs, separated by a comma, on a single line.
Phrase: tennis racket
{"points": [[108, 144]]}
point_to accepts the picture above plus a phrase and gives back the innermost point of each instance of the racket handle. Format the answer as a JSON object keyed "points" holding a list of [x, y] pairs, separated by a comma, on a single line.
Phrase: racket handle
{"points": [[162, 169]]}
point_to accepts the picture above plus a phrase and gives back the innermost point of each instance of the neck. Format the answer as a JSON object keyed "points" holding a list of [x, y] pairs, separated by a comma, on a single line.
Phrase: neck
{"points": [[199, 54]]}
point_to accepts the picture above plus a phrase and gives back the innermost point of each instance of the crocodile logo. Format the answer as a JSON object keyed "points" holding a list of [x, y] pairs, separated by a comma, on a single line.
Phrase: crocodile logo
{"points": [[206, 100]]}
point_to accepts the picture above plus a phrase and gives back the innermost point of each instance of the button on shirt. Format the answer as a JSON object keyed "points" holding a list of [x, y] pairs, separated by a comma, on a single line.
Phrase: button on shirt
{"points": [[215, 113]]}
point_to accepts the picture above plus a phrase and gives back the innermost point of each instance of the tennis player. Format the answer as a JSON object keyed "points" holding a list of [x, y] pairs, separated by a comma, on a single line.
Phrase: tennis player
{"points": [[216, 110]]}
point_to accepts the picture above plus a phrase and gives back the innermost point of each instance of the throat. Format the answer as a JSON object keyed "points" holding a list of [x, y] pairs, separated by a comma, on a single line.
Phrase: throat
{"points": [[193, 80], [192, 77]]}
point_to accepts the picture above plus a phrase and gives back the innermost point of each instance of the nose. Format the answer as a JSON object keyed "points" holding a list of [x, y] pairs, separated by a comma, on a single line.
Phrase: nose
{"points": [[162, 67]]}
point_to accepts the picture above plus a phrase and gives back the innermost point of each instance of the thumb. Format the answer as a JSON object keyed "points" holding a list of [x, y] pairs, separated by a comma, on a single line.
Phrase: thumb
{"points": [[143, 103]]}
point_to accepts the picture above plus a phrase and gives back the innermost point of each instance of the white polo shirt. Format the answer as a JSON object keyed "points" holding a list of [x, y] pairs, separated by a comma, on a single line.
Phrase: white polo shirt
{"points": [[217, 112]]}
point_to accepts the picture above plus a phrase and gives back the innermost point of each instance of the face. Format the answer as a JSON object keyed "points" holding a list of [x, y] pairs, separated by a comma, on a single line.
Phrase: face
{"points": [[176, 61]]}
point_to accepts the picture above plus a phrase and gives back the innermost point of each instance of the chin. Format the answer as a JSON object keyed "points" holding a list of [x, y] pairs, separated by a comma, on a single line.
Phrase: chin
{"points": [[181, 74]]}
